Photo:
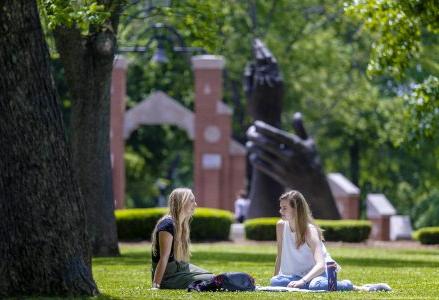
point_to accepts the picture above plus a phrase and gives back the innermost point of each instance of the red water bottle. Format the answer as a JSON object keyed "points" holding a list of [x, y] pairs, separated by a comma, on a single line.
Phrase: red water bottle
{"points": [[331, 273]]}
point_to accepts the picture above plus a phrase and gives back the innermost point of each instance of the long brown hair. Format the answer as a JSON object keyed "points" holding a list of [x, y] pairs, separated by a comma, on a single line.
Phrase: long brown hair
{"points": [[303, 216], [176, 202]]}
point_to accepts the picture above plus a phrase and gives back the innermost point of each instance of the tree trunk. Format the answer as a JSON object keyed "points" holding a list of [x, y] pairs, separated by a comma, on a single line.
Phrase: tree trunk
{"points": [[354, 154], [43, 245], [88, 63]]}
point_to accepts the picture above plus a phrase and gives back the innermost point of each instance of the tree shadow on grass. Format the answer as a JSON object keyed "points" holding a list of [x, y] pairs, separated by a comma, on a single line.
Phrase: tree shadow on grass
{"points": [[105, 297], [133, 258], [233, 256], [100, 297], [144, 258], [270, 258], [387, 262], [433, 252], [136, 258]]}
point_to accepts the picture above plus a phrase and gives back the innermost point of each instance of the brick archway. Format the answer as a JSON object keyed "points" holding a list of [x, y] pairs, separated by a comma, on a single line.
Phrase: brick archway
{"points": [[219, 161], [159, 109]]}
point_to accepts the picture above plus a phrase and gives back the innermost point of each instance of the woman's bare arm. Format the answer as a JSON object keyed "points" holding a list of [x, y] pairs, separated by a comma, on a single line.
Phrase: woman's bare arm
{"points": [[279, 236], [165, 242]]}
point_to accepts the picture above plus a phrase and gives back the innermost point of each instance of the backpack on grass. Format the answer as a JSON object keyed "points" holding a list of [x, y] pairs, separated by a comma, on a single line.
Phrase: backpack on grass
{"points": [[231, 281]]}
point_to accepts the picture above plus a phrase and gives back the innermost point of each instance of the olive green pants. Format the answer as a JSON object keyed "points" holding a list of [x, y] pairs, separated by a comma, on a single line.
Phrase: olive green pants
{"points": [[178, 275]]}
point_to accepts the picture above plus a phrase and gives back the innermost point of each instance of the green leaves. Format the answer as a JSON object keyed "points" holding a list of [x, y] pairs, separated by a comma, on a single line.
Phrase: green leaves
{"points": [[426, 212], [197, 22], [396, 29], [80, 13], [423, 107], [400, 30]]}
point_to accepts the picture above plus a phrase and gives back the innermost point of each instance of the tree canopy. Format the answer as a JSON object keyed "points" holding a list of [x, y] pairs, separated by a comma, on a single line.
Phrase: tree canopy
{"points": [[327, 58], [403, 32]]}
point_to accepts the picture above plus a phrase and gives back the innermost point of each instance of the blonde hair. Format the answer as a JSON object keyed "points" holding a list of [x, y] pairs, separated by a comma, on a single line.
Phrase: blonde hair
{"points": [[176, 202], [303, 215]]}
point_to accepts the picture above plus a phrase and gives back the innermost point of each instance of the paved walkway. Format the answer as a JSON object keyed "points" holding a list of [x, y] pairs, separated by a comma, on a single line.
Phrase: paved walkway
{"points": [[237, 233]]}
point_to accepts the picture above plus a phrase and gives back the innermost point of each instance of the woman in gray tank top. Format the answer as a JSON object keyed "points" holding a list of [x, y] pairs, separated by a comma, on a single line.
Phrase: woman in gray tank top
{"points": [[301, 255], [170, 245]]}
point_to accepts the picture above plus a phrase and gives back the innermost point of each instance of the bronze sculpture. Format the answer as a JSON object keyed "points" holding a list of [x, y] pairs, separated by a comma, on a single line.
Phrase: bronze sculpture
{"points": [[280, 159], [264, 90]]}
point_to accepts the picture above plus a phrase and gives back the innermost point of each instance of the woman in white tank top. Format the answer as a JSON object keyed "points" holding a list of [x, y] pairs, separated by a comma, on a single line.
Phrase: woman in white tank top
{"points": [[301, 255]]}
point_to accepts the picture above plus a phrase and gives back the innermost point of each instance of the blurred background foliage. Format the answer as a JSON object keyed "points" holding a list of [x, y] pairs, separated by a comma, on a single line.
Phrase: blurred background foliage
{"points": [[379, 129]]}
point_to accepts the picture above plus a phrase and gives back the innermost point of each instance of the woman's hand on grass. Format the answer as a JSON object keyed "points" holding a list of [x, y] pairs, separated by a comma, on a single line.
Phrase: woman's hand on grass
{"points": [[296, 284]]}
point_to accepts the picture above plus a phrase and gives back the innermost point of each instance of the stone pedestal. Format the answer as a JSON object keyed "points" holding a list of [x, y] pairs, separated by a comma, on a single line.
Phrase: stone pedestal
{"points": [[400, 228], [379, 212]]}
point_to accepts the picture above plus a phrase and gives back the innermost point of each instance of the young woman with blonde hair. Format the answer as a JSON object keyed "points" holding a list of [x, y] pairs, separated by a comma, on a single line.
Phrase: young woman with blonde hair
{"points": [[171, 242], [301, 255]]}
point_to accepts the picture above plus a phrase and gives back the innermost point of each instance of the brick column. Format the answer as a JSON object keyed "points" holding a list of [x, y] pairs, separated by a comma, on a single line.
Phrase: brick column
{"points": [[380, 228], [118, 92], [346, 195], [212, 133]]}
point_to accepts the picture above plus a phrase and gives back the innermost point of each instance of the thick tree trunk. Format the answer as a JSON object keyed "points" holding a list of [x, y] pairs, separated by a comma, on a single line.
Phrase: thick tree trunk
{"points": [[88, 63], [43, 245]]}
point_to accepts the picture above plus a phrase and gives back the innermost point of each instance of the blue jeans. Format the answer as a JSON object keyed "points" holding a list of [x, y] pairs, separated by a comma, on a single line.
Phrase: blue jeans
{"points": [[317, 283]]}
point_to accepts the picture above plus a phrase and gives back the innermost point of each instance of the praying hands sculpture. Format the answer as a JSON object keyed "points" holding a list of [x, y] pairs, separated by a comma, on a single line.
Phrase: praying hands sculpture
{"points": [[264, 90], [293, 161], [280, 159]]}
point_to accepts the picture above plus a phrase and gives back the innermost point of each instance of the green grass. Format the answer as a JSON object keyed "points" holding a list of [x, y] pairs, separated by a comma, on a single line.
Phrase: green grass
{"points": [[412, 273]]}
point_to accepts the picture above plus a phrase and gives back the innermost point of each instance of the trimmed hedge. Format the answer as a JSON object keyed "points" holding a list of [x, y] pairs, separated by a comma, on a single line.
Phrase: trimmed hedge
{"points": [[261, 229], [427, 235], [354, 231], [207, 224], [137, 223]]}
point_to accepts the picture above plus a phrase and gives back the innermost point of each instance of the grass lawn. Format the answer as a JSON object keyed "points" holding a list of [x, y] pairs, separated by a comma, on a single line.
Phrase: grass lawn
{"points": [[412, 273]]}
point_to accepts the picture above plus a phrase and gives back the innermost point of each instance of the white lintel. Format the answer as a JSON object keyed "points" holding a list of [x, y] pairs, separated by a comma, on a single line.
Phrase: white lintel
{"points": [[120, 62], [378, 205], [208, 61]]}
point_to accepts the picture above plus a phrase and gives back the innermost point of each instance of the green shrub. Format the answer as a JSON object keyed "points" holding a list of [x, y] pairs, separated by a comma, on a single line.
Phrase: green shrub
{"points": [[264, 229], [415, 235], [261, 229], [137, 223], [207, 224], [353, 231], [426, 212], [427, 235], [211, 224]]}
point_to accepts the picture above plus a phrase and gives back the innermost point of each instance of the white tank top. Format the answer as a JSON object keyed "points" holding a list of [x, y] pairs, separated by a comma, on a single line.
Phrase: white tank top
{"points": [[297, 261]]}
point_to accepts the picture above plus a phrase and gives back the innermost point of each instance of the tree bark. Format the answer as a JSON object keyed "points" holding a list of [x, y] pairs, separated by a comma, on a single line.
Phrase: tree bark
{"points": [[43, 245], [88, 64], [354, 154]]}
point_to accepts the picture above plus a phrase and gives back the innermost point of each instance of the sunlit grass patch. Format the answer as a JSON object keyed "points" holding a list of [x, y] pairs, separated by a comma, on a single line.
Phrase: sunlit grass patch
{"points": [[412, 273]]}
